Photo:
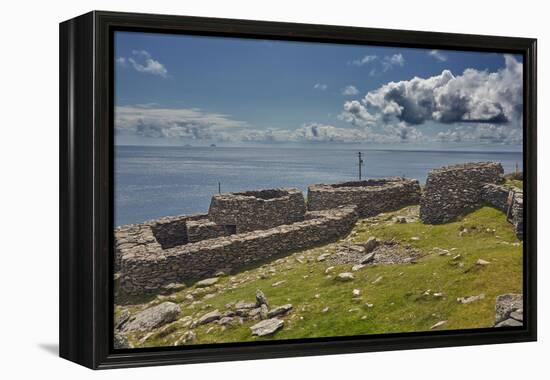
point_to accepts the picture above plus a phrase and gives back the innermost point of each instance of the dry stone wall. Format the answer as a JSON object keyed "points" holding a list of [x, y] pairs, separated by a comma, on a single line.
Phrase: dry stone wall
{"points": [[147, 266], [498, 195], [257, 210], [370, 196], [451, 191]]}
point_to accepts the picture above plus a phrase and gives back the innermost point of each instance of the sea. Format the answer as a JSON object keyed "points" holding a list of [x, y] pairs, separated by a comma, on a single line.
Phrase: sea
{"points": [[156, 181]]}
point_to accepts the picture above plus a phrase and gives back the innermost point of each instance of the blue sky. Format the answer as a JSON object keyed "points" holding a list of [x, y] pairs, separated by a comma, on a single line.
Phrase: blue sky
{"points": [[175, 89]]}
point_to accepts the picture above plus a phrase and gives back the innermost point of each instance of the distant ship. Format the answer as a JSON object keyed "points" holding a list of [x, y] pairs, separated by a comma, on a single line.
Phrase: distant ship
{"points": [[212, 145]]}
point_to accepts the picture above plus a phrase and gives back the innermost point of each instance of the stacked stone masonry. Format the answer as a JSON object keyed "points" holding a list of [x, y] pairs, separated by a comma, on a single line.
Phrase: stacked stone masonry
{"points": [[451, 191], [509, 201], [258, 210], [243, 228], [147, 266], [371, 197]]}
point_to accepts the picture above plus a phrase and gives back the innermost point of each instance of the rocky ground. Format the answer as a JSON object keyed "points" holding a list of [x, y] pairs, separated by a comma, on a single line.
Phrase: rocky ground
{"points": [[391, 274]]}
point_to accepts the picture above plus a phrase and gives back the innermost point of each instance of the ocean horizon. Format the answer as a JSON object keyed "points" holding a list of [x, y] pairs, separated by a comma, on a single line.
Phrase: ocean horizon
{"points": [[157, 181]]}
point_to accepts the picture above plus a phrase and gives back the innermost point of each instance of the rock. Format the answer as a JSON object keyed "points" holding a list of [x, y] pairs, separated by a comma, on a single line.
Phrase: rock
{"points": [[357, 267], [506, 304], [263, 311], [465, 300], [517, 315], [120, 341], [328, 270], [209, 317], [325, 310], [367, 258], [438, 324], [371, 244], [509, 323], [323, 257], [344, 277], [482, 262], [226, 321], [356, 292], [377, 280], [456, 257], [122, 319], [415, 238], [153, 317], [207, 282], [254, 313], [275, 284], [261, 298], [245, 305], [279, 310], [267, 327], [188, 336]]}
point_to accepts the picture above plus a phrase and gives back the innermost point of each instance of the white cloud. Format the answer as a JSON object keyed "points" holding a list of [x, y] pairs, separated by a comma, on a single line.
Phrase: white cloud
{"points": [[363, 61], [438, 55], [320, 86], [185, 123], [350, 90], [474, 96], [393, 60], [143, 62]]}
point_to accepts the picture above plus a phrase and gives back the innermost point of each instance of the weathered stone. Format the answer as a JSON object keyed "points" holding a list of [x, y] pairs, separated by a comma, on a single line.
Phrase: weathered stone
{"points": [[369, 257], [498, 197], [470, 299], [506, 304], [153, 317], [120, 341], [346, 276], [357, 267], [267, 327], [371, 244], [209, 317], [122, 319], [261, 299], [245, 305], [371, 196], [438, 324], [279, 310], [264, 313], [207, 282], [509, 323], [517, 315], [226, 321], [482, 262], [258, 210], [452, 190]]}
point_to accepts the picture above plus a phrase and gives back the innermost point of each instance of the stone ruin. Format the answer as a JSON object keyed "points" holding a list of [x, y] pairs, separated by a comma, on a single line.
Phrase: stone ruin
{"points": [[258, 210], [372, 196], [451, 191], [246, 227], [239, 229]]}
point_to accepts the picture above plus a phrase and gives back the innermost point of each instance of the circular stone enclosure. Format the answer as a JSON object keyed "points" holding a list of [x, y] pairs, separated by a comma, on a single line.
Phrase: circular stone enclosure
{"points": [[372, 196], [258, 210]]}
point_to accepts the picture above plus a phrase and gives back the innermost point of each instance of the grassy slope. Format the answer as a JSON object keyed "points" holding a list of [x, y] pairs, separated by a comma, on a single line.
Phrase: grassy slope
{"points": [[398, 303]]}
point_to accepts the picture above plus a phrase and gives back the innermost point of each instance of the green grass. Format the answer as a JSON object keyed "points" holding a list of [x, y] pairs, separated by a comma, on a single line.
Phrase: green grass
{"points": [[398, 303]]}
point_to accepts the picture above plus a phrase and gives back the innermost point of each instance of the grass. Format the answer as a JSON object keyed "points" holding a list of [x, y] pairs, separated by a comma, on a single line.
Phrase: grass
{"points": [[397, 302]]}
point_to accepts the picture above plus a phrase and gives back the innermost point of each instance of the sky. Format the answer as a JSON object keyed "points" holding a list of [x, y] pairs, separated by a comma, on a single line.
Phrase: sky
{"points": [[178, 90]]}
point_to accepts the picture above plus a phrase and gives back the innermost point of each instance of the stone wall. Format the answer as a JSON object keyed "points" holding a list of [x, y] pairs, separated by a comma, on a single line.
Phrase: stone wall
{"points": [[451, 191], [257, 210], [147, 266], [204, 229], [371, 196], [497, 196]]}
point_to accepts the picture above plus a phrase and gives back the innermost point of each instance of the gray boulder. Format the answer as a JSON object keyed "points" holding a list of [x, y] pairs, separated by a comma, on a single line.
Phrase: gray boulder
{"points": [[207, 282], [267, 327], [506, 304], [346, 276], [369, 257], [261, 299], [209, 317], [120, 341], [279, 310], [153, 317], [371, 244], [509, 323]]}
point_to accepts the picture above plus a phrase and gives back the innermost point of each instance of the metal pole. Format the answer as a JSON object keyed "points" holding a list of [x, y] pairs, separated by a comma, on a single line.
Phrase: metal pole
{"points": [[219, 188], [360, 164]]}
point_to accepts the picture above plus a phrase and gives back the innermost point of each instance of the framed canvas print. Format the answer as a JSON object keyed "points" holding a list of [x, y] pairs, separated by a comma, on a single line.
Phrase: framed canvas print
{"points": [[238, 189]]}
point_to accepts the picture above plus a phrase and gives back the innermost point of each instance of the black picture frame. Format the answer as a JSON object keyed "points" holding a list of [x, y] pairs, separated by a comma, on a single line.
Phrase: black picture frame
{"points": [[86, 191]]}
